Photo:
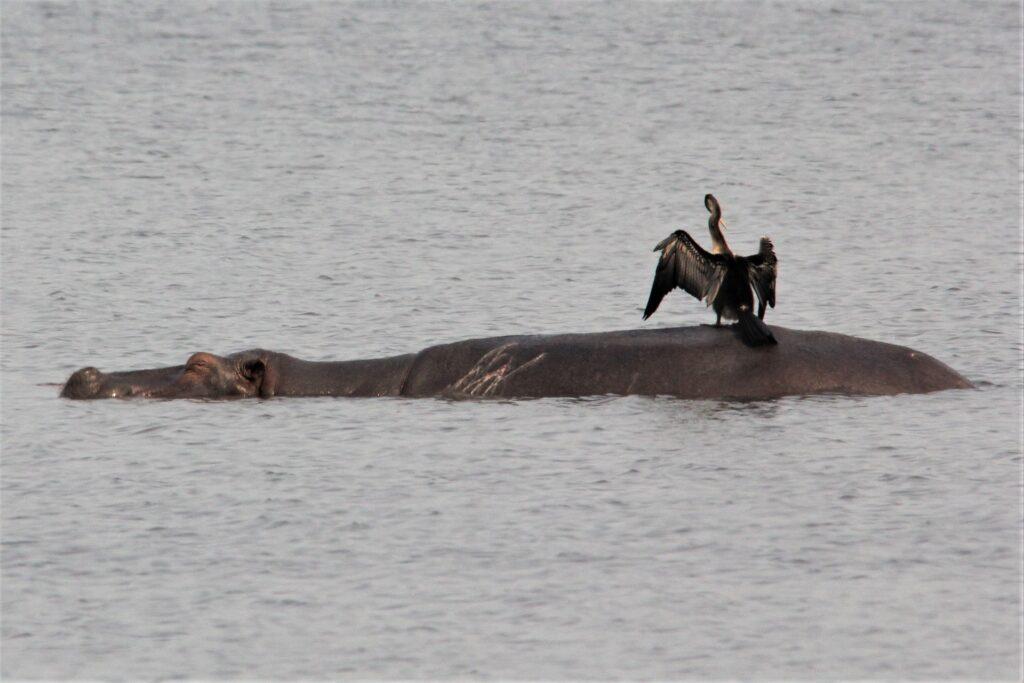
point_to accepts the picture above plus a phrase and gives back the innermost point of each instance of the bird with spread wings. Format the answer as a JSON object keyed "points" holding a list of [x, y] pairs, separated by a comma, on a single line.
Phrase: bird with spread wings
{"points": [[718, 277]]}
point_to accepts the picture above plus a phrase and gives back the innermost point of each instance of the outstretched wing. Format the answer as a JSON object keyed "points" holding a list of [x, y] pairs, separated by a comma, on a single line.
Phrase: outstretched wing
{"points": [[763, 268], [685, 264]]}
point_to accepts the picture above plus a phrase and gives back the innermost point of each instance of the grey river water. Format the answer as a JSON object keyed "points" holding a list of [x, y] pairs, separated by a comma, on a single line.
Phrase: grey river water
{"points": [[343, 180]]}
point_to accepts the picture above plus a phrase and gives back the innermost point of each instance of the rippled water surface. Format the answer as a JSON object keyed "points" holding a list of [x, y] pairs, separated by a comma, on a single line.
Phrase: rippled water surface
{"points": [[354, 180]]}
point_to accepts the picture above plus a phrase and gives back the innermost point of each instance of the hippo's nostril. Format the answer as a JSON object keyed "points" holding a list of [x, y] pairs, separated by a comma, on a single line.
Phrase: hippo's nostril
{"points": [[83, 383]]}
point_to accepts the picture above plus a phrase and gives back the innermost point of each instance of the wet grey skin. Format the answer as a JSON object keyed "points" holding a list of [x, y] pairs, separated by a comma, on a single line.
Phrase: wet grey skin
{"points": [[686, 362]]}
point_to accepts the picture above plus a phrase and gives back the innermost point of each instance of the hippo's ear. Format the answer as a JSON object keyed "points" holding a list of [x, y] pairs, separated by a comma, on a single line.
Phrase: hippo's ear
{"points": [[261, 373], [254, 371]]}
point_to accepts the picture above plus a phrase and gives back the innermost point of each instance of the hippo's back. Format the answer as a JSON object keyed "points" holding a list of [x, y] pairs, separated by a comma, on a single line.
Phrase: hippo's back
{"points": [[689, 362]]}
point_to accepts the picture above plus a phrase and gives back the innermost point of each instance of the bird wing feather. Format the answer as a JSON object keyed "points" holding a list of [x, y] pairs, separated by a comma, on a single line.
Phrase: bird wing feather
{"points": [[685, 264], [763, 268]]}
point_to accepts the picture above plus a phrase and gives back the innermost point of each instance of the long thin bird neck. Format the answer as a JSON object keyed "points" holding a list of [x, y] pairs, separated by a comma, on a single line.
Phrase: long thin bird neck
{"points": [[719, 245]]}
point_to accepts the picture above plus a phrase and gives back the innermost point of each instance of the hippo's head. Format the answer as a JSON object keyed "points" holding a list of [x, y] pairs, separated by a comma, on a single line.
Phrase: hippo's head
{"points": [[204, 375]]}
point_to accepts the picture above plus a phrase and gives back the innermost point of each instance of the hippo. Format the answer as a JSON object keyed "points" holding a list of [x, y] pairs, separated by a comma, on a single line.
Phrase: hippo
{"points": [[701, 362]]}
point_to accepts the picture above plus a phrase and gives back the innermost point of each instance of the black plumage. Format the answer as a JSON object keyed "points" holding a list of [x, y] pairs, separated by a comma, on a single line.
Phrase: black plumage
{"points": [[718, 277]]}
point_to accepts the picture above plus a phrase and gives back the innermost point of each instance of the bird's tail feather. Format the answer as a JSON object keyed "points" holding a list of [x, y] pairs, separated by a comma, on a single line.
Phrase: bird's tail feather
{"points": [[753, 331]]}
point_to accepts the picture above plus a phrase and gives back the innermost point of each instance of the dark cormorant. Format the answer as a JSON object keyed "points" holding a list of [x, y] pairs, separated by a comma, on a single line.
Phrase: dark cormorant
{"points": [[719, 277]]}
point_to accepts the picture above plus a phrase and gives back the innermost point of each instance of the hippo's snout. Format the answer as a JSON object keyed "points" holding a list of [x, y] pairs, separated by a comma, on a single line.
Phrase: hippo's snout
{"points": [[91, 383], [84, 383]]}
